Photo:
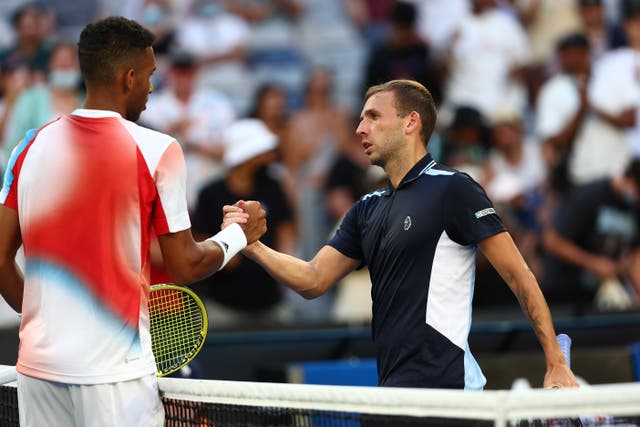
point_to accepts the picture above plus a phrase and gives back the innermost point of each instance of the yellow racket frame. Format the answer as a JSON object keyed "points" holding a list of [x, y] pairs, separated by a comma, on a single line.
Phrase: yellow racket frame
{"points": [[178, 325]]}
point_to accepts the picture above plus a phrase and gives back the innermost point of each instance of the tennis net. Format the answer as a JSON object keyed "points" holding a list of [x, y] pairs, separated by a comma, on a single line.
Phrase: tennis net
{"points": [[202, 403]]}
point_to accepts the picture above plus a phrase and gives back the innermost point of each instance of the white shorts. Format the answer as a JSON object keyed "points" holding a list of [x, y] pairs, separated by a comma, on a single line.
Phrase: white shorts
{"points": [[134, 403]]}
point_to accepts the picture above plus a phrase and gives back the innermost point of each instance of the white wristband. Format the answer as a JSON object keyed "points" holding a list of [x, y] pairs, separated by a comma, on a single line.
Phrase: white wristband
{"points": [[232, 240]]}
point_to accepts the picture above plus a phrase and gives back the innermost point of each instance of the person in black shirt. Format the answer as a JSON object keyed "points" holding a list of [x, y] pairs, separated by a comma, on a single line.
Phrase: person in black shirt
{"points": [[242, 295], [418, 237], [593, 245]]}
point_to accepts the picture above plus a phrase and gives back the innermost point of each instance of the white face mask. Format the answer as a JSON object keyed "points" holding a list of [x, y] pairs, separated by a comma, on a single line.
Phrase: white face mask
{"points": [[64, 79]]}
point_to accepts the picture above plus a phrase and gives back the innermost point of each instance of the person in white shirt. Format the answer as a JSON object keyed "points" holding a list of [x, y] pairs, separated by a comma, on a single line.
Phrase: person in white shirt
{"points": [[489, 48], [196, 118], [612, 135]]}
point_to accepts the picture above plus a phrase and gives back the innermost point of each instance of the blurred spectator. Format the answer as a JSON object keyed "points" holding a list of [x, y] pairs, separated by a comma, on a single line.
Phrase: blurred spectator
{"points": [[243, 295], [41, 103], [32, 25], [274, 56], [270, 106], [594, 244], [603, 35], [403, 54], [466, 142], [158, 16], [350, 177], [438, 21], [562, 107], [12, 83], [612, 133], [196, 117], [546, 22], [514, 176], [374, 24], [218, 40], [309, 149], [328, 37], [71, 16], [486, 60]]}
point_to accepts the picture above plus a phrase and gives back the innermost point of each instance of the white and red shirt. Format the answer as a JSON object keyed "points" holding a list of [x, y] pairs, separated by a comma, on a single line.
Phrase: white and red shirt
{"points": [[89, 188]]}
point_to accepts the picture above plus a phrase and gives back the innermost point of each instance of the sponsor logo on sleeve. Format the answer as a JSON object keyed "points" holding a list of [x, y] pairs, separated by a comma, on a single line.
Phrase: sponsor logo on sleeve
{"points": [[484, 212]]}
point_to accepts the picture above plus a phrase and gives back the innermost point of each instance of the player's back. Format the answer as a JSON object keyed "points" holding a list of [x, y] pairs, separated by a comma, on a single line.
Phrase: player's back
{"points": [[86, 194]]}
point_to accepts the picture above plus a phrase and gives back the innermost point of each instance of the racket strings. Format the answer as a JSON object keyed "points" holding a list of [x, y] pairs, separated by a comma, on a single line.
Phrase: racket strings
{"points": [[176, 327]]}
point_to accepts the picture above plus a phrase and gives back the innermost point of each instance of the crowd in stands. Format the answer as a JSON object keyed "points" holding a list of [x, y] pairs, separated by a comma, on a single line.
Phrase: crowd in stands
{"points": [[539, 101]]}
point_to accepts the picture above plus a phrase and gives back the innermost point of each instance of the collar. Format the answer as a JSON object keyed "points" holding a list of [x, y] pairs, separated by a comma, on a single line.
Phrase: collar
{"points": [[420, 167], [95, 114]]}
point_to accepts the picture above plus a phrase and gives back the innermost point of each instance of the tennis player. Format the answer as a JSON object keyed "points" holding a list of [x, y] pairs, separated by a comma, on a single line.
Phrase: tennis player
{"points": [[418, 236], [82, 194]]}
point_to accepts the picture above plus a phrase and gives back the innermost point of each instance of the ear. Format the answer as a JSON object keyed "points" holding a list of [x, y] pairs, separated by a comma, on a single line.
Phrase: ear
{"points": [[128, 80], [412, 123]]}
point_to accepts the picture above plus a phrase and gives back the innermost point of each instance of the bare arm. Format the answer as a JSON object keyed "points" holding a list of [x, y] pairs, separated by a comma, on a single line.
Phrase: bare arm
{"points": [[308, 278], [565, 249], [11, 279], [187, 260], [503, 254]]}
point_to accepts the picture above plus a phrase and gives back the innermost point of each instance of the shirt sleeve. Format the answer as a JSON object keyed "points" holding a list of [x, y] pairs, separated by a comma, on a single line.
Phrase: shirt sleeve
{"points": [[9, 191], [469, 214], [347, 238], [171, 213]]}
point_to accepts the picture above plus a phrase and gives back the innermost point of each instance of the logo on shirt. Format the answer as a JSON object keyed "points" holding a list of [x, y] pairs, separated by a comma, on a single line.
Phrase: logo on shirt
{"points": [[484, 212], [407, 223]]}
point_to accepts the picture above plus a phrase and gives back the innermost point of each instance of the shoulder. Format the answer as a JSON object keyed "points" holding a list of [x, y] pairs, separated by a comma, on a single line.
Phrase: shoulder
{"points": [[147, 138]]}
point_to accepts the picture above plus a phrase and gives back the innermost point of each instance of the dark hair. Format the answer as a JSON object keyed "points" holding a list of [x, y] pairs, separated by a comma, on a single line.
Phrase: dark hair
{"points": [[633, 170], [410, 96], [574, 40], [629, 9], [107, 44], [403, 14]]}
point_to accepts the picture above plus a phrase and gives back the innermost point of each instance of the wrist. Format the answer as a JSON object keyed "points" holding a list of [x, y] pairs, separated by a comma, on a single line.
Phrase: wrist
{"points": [[231, 240]]}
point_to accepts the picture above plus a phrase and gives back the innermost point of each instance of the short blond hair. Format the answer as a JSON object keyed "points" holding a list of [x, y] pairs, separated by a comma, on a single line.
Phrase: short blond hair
{"points": [[410, 96]]}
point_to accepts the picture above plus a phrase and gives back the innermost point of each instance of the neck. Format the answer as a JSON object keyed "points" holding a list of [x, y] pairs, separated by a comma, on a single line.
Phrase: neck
{"points": [[102, 99], [398, 167]]}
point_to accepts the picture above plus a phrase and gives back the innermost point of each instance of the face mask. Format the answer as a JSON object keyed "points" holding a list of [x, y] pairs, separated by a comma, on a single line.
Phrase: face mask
{"points": [[152, 15], [64, 79], [210, 10]]}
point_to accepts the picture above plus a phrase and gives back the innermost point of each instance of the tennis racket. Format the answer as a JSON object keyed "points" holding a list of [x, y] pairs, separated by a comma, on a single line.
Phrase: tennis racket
{"points": [[178, 326]]}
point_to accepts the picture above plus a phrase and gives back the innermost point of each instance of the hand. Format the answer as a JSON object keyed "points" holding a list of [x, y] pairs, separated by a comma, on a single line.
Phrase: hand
{"points": [[250, 216], [560, 376]]}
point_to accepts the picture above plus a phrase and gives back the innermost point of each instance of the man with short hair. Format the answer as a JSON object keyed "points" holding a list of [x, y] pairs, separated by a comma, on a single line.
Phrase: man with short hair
{"points": [[418, 237], [82, 195]]}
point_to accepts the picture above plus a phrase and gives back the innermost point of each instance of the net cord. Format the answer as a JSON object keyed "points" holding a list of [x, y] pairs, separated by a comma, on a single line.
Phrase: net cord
{"points": [[498, 405]]}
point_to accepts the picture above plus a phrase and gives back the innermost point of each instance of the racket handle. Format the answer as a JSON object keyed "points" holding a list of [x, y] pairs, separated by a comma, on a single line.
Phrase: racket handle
{"points": [[565, 345]]}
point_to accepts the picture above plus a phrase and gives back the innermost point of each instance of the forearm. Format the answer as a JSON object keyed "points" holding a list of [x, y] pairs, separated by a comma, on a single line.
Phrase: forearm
{"points": [[568, 251], [298, 275], [187, 261], [535, 307], [11, 284]]}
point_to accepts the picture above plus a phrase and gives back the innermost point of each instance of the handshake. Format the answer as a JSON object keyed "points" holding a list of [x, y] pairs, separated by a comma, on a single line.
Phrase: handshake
{"points": [[249, 215]]}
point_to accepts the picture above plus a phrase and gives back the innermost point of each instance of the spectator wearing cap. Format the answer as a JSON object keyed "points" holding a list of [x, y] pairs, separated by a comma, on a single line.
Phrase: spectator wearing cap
{"points": [[196, 118], [243, 295], [611, 135]]}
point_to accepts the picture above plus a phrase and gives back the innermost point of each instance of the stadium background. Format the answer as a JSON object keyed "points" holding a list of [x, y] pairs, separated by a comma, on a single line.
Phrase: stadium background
{"points": [[237, 46]]}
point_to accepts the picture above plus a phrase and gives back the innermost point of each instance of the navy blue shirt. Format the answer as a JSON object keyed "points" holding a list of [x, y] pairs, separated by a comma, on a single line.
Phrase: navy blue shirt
{"points": [[419, 243]]}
